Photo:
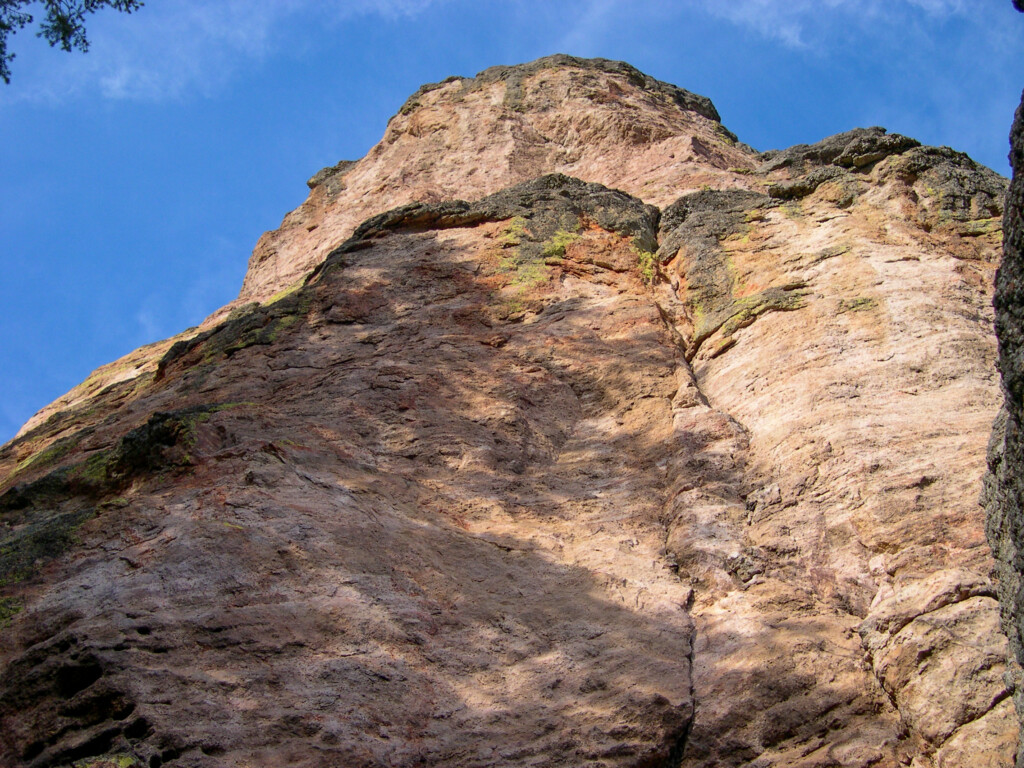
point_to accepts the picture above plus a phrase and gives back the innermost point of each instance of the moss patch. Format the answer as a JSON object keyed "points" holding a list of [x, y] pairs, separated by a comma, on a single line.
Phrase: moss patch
{"points": [[9, 608], [120, 760], [859, 304], [555, 246], [39, 520], [646, 264], [282, 294]]}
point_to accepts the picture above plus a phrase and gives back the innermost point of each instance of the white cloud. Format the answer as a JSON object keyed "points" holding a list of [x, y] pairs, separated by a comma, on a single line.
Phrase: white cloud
{"points": [[793, 22], [941, 7], [591, 22], [149, 328], [173, 47]]}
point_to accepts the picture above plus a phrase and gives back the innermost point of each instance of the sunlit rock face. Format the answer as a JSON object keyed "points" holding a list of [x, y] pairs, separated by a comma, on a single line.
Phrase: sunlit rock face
{"points": [[658, 451], [596, 120], [1004, 485]]}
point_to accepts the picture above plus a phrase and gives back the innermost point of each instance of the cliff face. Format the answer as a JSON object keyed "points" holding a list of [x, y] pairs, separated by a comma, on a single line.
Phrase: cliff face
{"points": [[1004, 485], [597, 120], [681, 473]]}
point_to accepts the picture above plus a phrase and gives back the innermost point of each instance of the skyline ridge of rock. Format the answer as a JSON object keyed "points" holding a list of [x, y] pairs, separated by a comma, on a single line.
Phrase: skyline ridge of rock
{"points": [[513, 74]]}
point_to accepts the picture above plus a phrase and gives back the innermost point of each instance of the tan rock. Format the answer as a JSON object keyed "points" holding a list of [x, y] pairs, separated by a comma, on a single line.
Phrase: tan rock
{"points": [[465, 138], [497, 485]]}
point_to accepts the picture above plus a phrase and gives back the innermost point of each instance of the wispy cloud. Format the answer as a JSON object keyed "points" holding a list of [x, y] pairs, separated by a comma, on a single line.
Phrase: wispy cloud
{"points": [[593, 20], [798, 23], [174, 47], [941, 7]]}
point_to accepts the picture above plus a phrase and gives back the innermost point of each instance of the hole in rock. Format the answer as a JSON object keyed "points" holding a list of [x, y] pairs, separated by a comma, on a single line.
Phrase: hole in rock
{"points": [[71, 680]]}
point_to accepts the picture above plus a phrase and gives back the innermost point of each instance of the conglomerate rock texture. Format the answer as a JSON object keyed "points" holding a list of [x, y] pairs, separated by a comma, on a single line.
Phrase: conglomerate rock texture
{"points": [[1004, 485], [657, 452]]}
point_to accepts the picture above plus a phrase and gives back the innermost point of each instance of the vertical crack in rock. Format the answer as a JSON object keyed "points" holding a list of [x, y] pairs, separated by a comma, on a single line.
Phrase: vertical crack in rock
{"points": [[793, 544], [458, 425], [552, 477]]}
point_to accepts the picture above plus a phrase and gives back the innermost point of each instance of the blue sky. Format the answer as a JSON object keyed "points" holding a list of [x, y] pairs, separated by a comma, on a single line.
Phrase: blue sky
{"points": [[135, 179]]}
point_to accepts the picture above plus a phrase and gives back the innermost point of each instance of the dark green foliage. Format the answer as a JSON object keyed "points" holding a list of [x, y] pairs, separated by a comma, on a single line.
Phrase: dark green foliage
{"points": [[9, 608], [63, 25]]}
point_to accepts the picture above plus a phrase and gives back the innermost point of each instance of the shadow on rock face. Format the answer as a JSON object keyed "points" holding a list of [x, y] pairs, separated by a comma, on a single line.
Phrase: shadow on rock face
{"points": [[404, 543]]}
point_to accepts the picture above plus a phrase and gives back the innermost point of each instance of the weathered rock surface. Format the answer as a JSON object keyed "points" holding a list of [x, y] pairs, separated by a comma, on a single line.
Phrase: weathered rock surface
{"points": [[551, 477], [597, 120], [1004, 484], [827, 554]]}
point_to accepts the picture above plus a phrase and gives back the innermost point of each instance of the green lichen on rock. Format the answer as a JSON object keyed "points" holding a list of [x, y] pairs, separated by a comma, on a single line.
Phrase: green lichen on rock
{"points": [[853, 149], [524, 272], [793, 209], [249, 332], [646, 264], [119, 760], [514, 234], [163, 442], [540, 219], [955, 189], [547, 204], [695, 226], [982, 227], [48, 457], [740, 312], [247, 326], [555, 246], [807, 184], [9, 608], [526, 259], [284, 292], [858, 304], [35, 537], [39, 520], [331, 176]]}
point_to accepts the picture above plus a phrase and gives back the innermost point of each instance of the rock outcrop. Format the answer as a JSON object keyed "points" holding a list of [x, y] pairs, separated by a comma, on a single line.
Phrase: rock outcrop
{"points": [[1004, 485], [597, 120], [562, 429]]}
